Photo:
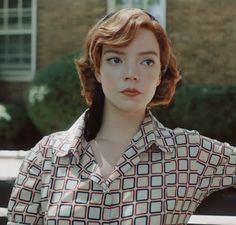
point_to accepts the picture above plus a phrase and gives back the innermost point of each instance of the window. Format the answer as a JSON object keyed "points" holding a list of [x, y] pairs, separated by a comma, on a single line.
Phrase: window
{"points": [[156, 7], [17, 39]]}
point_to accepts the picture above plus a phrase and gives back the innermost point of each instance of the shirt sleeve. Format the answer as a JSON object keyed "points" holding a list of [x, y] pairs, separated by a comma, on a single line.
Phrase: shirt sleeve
{"points": [[24, 205], [216, 163]]}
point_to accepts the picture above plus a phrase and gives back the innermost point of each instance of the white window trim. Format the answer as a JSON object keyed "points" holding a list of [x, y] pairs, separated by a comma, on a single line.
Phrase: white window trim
{"points": [[24, 76], [111, 6]]}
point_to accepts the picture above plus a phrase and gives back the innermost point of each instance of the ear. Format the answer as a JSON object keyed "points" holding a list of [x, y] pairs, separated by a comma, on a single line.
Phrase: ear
{"points": [[98, 76], [158, 80]]}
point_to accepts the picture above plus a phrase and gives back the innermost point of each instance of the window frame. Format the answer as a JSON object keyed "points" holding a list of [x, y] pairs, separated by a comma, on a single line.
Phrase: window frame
{"points": [[23, 75], [112, 6]]}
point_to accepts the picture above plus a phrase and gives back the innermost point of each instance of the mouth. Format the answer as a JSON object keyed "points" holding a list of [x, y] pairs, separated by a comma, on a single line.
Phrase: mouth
{"points": [[130, 92]]}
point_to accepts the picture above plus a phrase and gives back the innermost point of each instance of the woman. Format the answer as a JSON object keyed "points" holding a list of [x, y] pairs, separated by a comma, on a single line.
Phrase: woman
{"points": [[117, 164]]}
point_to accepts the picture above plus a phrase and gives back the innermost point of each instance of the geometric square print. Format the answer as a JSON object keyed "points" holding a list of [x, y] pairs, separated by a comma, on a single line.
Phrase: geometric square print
{"points": [[128, 183], [143, 169], [81, 197], [156, 194], [79, 212], [142, 182], [94, 212], [127, 210], [142, 195], [156, 181], [25, 195], [140, 220], [128, 196], [141, 208], [65, 210], [96, 198], [155, 207], [161, 177]]}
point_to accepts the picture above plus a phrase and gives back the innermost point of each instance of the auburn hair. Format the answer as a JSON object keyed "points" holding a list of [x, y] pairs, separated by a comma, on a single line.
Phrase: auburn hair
{"points": [[118, 29]]}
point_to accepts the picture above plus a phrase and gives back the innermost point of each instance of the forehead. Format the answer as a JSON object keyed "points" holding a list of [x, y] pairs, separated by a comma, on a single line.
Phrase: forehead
{"points": [[144, 40]]}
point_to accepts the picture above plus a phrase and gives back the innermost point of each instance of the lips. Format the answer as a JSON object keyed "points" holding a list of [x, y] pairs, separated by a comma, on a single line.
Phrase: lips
{"points": [[132, 92]]}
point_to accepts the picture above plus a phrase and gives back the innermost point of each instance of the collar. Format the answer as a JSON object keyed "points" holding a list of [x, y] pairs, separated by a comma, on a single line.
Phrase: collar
{"points": [[151, 132]]}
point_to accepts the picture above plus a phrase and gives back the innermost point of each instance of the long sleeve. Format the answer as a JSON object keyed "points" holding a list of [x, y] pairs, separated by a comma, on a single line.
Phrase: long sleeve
{"points": [[25, 202], [216, 163]]}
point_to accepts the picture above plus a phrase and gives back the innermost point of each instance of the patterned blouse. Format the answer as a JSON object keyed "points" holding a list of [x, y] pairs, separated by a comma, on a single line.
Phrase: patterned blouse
{"points": [[161, 178]]}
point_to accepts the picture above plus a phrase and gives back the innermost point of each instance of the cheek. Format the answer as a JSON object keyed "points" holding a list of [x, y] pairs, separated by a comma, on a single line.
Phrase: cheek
{"points": [[151, 85], [109, 75], [152, 81], [108, 81]]}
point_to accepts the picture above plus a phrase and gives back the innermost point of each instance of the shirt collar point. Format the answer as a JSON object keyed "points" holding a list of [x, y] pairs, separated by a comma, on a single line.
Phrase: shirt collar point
{"points": [[70, 141], [161, 133]]}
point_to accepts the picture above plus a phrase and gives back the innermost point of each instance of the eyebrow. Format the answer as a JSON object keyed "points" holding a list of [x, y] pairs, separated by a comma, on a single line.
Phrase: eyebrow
{"points": [[123, 53]]}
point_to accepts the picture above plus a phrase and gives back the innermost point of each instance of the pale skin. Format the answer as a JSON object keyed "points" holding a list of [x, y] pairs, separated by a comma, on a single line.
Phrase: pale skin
{"points": [[135, 66]]}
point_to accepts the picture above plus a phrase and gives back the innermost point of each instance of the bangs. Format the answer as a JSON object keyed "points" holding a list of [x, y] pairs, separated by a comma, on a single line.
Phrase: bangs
{"points": [[119, 30]]}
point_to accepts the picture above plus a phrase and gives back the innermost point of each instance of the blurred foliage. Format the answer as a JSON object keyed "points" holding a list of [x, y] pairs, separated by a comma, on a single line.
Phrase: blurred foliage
{"points": [[16, 128], [12, 120], [54, 101], [205, 108]]}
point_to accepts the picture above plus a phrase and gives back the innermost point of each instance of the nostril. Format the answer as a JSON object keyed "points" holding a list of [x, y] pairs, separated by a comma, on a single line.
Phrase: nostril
{"points": [[131, 77]]}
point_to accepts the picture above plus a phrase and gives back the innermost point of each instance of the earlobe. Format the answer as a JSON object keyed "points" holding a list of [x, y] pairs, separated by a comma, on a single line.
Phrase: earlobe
{"points": [[158, 81], [98, 77]]}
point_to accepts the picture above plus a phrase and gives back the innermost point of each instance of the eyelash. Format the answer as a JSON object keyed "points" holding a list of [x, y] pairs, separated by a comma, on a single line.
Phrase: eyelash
{"points": [[149, 61], [116, 60], [113, 59]]}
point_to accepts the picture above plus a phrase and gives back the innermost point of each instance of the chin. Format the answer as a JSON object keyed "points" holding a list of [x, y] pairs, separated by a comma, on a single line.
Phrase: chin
{"points": [[127, 106], [131, 108]]}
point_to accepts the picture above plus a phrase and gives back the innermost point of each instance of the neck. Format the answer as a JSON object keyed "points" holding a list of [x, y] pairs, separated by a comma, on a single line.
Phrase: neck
{"points": [[119, 125]]}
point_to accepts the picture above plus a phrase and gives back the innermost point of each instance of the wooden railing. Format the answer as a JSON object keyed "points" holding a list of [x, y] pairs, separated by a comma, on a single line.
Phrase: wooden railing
{"points": [[218, 209]]}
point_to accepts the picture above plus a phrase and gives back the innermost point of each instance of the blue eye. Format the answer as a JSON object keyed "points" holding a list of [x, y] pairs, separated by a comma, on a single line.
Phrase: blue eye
{"points": [[148, 62], [114, 60]]}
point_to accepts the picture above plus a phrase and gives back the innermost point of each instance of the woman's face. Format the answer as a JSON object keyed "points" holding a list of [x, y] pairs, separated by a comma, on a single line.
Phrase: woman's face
{"points": [[129, 75]]}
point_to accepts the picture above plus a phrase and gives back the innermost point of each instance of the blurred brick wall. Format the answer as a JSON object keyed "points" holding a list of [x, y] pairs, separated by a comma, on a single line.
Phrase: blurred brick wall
{"points": [[12, 91], [203, 33], [62, 26]]}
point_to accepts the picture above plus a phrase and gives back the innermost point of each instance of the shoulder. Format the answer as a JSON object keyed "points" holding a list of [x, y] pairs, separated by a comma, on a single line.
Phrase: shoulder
{"points": [[185, 136], [59, 143], [179, 136]]}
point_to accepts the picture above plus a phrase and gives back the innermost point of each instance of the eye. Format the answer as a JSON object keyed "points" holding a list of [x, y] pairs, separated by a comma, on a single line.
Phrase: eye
{"points": [[114, 60], [148, 62]]}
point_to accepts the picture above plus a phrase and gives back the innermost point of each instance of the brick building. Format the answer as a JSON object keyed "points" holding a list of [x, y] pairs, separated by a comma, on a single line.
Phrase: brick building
{"points": [[33, 33], [204, 36]]}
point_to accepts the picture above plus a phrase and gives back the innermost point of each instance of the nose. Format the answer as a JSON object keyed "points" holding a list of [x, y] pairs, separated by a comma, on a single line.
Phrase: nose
{"points": [[131, 74], [131, 77]]}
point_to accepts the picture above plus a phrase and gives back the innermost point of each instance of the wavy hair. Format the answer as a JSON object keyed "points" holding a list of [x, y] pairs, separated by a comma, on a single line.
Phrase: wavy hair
{"points": [[119, 29]]}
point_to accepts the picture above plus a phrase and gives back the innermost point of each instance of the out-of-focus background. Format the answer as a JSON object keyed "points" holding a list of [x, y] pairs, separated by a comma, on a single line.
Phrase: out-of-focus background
{"points": [[39, 86]]}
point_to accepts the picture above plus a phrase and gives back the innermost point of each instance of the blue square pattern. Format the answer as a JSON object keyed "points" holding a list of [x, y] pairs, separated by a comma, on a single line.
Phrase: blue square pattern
{"points": [[142, 195], [140, 220], [81, 197], [156, 181], [65, 210], [127, 210], [128, 183], [94, 213], [143, 169]]}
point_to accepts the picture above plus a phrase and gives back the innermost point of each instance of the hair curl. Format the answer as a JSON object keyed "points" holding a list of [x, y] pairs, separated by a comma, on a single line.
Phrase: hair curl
{"points": [[119, 29]]}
